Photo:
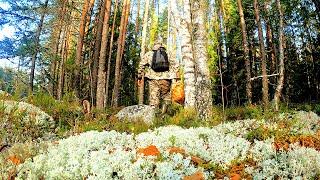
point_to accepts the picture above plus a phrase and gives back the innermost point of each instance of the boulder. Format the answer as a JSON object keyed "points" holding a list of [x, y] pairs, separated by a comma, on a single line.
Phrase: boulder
{"points": [[137, 112], [22, 121]]}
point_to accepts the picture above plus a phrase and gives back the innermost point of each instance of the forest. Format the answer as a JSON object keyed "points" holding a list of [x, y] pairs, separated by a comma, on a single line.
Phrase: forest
{"points": [[244, 97]]}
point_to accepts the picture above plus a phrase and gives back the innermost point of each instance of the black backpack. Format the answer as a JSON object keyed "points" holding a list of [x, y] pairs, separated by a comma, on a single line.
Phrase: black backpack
{"points": [[160, 61]]}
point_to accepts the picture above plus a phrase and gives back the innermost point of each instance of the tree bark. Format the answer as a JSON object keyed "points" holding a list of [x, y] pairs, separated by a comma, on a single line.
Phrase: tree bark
{"points": [[138, 18], [143, 46], [187, 57], [101, 84], [265, 88], [281, 59], [203, 81], [245, 52], [37, 44], [271, 47], [121, 40], [78, 61], [62, 63], [97, 48], [110, 51]]}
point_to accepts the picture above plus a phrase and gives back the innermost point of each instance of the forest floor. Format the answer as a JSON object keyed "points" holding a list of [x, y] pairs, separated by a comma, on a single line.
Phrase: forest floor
{"points": [[46, 139]]}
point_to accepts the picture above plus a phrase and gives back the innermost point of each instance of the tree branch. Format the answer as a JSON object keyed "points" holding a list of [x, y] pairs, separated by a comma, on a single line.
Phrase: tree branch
{"points": [[254, 78]]}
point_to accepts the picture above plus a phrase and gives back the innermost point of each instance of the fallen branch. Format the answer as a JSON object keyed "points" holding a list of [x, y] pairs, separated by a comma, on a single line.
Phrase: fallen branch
{"points": [[251, 79]]}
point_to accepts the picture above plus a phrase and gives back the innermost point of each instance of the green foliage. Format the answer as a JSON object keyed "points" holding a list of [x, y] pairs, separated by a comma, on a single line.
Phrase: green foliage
{"points": [[66, 112], [153, 29]]}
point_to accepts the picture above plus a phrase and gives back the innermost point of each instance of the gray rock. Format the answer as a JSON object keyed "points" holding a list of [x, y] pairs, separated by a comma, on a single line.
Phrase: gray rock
{"points": [[137, 112]]}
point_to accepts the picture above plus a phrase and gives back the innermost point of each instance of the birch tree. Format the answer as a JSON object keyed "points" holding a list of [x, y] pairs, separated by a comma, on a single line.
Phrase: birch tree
{"points": [[203, 82], [187, 57]]}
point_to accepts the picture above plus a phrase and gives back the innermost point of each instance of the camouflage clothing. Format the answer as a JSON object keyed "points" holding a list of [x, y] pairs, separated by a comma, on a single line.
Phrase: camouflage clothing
{"points": [[159, 89], [159, 82], [145, 63]]}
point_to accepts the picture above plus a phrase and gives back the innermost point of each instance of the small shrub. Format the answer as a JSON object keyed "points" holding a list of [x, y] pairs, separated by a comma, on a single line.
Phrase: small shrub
{"points": [[317, 109]]}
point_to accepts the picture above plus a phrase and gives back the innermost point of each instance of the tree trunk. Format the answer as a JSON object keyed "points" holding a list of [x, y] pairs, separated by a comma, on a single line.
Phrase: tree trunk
{"points": [[62, 63], [143, 46], [121, 40], [245, 52], [89, 14], [101, 84], [138, 18], [54, 63], [187, 57], [281, 59], [97, 48], [37, 44], [203, 82], [271, 47], [110, 51], [78, 61], [265, 88]]}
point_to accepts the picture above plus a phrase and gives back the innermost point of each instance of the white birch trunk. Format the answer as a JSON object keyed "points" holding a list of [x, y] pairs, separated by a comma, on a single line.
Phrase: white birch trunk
{"points": [[203, 82], [187, 57]]}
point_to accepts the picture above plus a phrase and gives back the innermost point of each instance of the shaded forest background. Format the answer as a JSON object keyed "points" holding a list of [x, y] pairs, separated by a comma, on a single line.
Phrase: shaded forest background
{"points": [[79, 48]]}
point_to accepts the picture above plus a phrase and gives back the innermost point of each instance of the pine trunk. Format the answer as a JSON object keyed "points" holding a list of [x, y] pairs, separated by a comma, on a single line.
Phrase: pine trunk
{"points": [[96, 53], [271, 47], [121, 40], [281, 59], [265, 88], [143, 46], [187, 57], [101, 84], [137, 19], [37, 44], [78, 61], [245, 52], [110, 51], [62, 63], [203, 82]]}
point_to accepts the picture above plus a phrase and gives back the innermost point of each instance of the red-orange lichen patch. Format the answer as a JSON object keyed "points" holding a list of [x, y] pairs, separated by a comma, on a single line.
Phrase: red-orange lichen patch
{"points": [[149, 151], [15, 160]]}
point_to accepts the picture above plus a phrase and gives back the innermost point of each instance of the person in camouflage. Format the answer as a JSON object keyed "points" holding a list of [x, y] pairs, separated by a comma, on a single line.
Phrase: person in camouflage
{"points": [[159, 82]]}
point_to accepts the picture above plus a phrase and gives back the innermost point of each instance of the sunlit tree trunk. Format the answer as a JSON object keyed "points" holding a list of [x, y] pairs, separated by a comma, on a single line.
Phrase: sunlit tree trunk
{"points": [[245, 52], [121, 40], [89, 14], [101, 84], [203, 82], [97, 48], [110, 51], [265, 88], [281, 59], [138, 16], [143, 46], [78, 61], [271, 46], [37, 44], [187, 57], [62, 62]]}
